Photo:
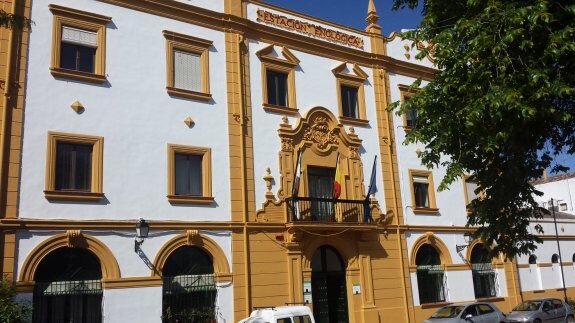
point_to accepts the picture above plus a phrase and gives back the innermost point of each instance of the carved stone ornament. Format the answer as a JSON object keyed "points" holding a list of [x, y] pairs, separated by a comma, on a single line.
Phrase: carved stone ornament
{"points": [[354, 152], [287, 144], [191, 236], [320, 134], [73, 237]]}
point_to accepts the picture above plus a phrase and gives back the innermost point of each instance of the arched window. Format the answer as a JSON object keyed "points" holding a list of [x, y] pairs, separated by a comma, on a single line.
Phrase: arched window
{"points": [[189, 290], [483, 273], [328, 286], [555, 258], [68, 287], [532, 260], [430, 275]]}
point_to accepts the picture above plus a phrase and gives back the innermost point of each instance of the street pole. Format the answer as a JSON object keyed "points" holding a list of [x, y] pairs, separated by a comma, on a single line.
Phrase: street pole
{"points": [[559, 250]]}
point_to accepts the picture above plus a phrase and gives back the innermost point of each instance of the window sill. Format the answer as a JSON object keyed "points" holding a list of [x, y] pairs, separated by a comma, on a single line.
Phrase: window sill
{"points": [[77, 75], [408, 128], [490, 299], [190, 199], [353, 121], [280, 109], [73, 196], [427, 210], [188, 94], [433, 305]]}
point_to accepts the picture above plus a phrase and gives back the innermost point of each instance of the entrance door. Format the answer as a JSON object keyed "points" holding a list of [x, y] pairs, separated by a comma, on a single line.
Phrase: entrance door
{"points": [[329, 294], [320, 189]]}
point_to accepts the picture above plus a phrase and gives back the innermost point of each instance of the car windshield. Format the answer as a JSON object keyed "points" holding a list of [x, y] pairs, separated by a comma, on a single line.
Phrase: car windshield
{"points": [[447, 311], [528, 306]]}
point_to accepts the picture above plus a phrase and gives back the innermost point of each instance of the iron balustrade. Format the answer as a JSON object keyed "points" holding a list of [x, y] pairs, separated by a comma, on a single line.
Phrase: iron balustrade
{"points": [[318, 209]]}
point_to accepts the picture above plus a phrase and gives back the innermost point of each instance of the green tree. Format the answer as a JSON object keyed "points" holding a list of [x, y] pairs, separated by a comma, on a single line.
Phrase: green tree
{"points": [[12, 21], [11, 311], [501, 106]]}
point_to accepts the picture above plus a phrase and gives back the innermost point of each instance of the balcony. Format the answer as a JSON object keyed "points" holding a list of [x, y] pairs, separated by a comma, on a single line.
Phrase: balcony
{"points": [[327, 210]]}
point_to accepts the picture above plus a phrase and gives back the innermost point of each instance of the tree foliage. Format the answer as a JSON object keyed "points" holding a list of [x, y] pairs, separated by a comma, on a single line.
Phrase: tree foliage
{"points": [[10, 310], [501, 106], [12, 21]]}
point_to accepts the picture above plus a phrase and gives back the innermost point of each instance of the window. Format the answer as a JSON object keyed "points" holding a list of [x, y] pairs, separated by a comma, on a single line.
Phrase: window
{"points": [[563, 206], [277, 88], [189, 289], [278, 80], [422, 192], [484, 309], [78, 44], [349, 104], [482, 272], [430, 275], [74, 167], [532, 260], [187, 66], [554, 259], [350, 92], [68, 287], [189, 175], [470, 186], [410, 115]]}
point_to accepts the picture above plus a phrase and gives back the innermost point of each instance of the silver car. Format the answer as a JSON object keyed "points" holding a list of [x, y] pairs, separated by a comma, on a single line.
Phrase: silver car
{"points": [[540, 310], [477, 312]]}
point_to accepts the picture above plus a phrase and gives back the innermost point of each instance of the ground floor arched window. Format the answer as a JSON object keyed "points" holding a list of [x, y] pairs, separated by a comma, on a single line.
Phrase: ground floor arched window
{"points": [[430, 275], [68, 287], [189, 290], [484, 279]]}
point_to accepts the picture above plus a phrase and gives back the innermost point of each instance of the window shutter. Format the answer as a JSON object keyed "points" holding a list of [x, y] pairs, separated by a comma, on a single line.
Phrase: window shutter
{"points": [[187, 71], [79, 37], [420, 179]]}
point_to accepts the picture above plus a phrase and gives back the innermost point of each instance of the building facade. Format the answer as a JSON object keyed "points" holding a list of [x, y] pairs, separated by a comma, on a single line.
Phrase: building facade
{"points": [[253, 142]]}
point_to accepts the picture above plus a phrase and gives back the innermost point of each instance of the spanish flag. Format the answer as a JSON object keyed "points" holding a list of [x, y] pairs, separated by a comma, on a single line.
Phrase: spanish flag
{"points": [[337, 180]]}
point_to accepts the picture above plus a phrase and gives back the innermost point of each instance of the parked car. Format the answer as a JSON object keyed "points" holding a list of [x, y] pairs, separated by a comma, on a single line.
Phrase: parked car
{"points": [[541, 310], [281, 314], [477, 312]]}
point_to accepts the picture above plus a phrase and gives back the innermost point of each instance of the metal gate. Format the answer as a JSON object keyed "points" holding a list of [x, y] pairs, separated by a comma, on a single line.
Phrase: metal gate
{"points": [[328, 286]]}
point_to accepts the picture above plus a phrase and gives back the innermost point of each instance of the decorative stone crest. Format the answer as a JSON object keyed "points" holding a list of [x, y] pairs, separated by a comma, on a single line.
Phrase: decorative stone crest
{"points": [[354, 152], [320, 133]]}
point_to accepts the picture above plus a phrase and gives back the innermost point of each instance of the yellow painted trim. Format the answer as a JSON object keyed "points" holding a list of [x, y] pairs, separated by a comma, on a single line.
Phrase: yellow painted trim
{"points": [[220, 262], [284, 66], [96, 181], [82, 20], [432, 209], [108, 263], [206, 197], [430, 239], [190, 44]]}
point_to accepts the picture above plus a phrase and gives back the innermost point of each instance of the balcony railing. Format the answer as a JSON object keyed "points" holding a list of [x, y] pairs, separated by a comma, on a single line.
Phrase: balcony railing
{"points": [[327, 210]]}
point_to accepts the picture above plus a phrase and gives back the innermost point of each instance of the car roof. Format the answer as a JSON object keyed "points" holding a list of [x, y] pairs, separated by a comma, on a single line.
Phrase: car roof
{"points": [[542, 299], [468, 303]]}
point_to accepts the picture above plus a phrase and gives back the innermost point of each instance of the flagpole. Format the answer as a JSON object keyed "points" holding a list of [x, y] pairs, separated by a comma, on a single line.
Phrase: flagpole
{"points": [[370, 190]]}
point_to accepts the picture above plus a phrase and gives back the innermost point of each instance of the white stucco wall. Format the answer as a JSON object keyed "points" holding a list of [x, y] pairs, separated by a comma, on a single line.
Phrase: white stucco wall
{"points": [[398, 48], [562, 192], [315, 85], [134, 114]]}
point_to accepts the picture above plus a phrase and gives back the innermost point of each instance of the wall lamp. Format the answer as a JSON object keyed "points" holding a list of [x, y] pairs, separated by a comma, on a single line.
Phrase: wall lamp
{"points": [[467, 238], [142, 229]]}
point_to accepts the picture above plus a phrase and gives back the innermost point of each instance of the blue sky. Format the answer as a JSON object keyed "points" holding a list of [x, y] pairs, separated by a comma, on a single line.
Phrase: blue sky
{"points": [[352, 13]]}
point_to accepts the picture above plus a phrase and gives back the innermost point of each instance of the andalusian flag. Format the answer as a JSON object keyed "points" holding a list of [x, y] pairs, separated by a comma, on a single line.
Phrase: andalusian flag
{"points": [[337, 180]]}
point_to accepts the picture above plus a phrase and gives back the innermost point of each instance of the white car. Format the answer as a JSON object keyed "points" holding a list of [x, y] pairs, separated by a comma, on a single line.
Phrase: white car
{"points": [[281, 314]]}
